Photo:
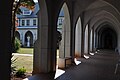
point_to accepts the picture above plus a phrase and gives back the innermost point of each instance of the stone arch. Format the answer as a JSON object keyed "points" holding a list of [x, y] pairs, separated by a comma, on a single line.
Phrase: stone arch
{"points": [[96, 27], [99, 18], [107, 37], [28, 39], [92, 10], [106, 20], [104, 15], [45, 45], [17, 34], [66, 32], [65, 48], [108, 17], [78, 37]]}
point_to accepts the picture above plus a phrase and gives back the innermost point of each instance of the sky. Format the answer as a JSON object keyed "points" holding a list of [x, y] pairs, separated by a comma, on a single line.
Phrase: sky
{"points": [[36, 0]]}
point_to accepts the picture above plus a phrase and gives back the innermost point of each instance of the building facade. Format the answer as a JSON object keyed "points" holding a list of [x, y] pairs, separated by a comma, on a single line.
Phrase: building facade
{"points": [[28, 24]]}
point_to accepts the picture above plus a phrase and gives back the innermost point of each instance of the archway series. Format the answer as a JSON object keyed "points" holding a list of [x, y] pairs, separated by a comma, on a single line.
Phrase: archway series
{"points": [[90, 31]]}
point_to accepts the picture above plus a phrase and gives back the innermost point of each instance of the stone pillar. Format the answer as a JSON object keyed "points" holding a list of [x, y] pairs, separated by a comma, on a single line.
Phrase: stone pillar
{"points": [[65, 43], [82, 42], [118, 42], [91, 39], [62, 44], [44, 60], [44, 53], [64, 49], [5, 40], [86, 40], [66, 32], [95, 41], [78, 39]]}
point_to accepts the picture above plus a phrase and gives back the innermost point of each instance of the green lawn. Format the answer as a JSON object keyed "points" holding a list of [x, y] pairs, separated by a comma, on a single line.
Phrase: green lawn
{"points": [[24, 61], [26, 51]]}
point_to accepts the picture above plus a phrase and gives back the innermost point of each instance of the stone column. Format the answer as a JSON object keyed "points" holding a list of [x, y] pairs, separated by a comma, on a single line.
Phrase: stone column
{"points": [[118, 44], [65, 47], [66, 32], [93, 40], [44, 60], [44, 53], [78, 39], [86, 40], [82, 42]]}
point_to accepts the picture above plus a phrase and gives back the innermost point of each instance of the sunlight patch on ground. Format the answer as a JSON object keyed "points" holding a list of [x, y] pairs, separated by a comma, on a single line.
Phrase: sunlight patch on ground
{"points": [[59, 72], [77, 62], [98, 50], [86, 57], [26, 79], [92, 54]]}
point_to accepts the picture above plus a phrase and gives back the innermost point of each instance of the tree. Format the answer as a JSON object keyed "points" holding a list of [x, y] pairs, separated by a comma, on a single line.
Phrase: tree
{"points": [[16, 10], [59, 38]]}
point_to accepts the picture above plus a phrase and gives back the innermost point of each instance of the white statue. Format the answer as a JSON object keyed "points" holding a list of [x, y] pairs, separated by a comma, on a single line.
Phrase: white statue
{"points": [[28, 41]]}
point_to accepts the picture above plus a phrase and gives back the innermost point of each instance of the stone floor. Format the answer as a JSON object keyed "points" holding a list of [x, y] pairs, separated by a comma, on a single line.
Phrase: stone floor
{"points": [[100, 66]]}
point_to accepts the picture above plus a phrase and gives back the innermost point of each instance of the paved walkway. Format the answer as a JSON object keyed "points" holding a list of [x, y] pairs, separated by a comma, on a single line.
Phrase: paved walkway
{"points": [[22, 54], [101, 66]]}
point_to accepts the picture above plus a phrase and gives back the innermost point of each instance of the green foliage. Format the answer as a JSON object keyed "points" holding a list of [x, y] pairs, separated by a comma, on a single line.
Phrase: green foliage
{"points": [[17, 44], [21, 72], [59, 38]]}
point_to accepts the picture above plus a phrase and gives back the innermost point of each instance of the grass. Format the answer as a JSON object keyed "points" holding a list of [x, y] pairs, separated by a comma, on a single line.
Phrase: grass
{"points": [[26, 51], [24, 61]]}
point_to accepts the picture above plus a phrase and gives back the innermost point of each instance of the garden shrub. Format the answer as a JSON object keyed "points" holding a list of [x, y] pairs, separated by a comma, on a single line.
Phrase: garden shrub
{"points": [[17, 44], [21, 72]]}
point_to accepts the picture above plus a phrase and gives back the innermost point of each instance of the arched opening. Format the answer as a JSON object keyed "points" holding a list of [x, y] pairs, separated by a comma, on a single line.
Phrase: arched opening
{"points": [[64, 48], [28, 39], [65, 42], [17, 35], [26, 32], [78, 38], [107, 38]]}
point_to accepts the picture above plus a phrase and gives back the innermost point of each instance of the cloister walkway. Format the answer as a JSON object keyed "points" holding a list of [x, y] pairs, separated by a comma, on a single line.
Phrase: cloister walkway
{"points": [[100, 66]]}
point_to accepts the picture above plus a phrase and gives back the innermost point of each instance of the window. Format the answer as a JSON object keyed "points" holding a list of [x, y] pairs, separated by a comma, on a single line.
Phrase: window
{"points": [[23, 22], [17, 22], [34, 22], [60, 21], [26, 12], [28, 22]]}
